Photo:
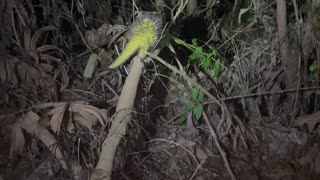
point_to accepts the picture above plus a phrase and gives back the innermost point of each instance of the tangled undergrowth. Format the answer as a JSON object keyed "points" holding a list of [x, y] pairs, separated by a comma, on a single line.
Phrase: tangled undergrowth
{"points": [[219, 105]]}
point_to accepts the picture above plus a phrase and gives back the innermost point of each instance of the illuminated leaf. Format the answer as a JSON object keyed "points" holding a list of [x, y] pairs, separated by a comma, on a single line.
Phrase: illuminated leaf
{"points": [[180, 42], [200, 97], [195, 93], [190, 105], [194, 42], [312, 67], [198, 110], [197, 54], [216, 69], [182, 119]]}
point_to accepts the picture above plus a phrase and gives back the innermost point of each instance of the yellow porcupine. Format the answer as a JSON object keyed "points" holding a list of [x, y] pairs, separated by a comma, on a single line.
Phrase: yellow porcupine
{"points": [[145, 32]]}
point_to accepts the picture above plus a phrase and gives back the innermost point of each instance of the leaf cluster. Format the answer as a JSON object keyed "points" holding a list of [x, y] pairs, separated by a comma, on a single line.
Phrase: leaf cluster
{"points": [[207, 59], [194, 105]]}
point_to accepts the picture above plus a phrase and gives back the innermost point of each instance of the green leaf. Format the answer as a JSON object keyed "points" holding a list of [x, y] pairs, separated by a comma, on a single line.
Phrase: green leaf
{"points": [[194, 42], [193, 57], [200, 97], [235, 91], [190, 105], [206, 63], [222, 66], [195, 93], [180, 42], [182, 119], [214, 51], [197, 54], [313, 67], [198, 110], [167, 39], [216, 69], [252, 83]]}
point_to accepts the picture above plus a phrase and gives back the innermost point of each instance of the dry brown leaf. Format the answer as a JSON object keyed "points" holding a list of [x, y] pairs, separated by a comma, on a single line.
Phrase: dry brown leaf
{"points": [[86, 119], [17, 141], [100, 37], [7, 69], [37, 34], [71, 127], [311, 121], [49, 105], [49, 58], [30, 122], [75, 107], [117, 30], [317, 163], [28, 75], [91, 65], [57, 117], [22, 71], [46, 48], [64, 77], [310, 158], [201, 154], [27, 39], [10, 69], [46, 67], [83, 114], [3, 71], [7, 119]]}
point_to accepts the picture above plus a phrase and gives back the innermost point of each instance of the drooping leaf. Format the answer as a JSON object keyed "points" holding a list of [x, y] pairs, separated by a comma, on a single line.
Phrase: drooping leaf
{"points": [[216, 69], [57, 117], [91, 65], [194, 42], [86, 119], [195, 93], [198, 110], [214, 52], [222, 67], [197, 55], [207, 62], [77, 107], [37, 34], [312, 67], [182, 119], [30, 122], [180, 42], [189, 106], [200, 97], [17, 140]]}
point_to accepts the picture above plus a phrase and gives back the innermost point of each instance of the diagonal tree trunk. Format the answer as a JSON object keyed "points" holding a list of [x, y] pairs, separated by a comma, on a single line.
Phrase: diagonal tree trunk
{"points": [[117, 131]]}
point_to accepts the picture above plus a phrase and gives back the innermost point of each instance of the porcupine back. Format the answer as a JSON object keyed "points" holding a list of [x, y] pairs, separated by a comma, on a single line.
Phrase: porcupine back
{"points": [[145, 32]]}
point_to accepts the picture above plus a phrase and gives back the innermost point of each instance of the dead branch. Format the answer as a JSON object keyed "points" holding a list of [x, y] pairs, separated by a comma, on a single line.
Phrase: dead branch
{"points": [[221, 151], [214, 99]]}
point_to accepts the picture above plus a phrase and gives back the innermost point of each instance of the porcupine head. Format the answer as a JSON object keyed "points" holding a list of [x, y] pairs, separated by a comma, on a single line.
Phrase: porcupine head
{"points": [[145, 33]]}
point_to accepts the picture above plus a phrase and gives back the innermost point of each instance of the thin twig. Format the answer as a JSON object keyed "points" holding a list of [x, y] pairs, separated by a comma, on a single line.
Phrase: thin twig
{"points": [[179, 145], [233, 36], [182, 5], [221, 151], [186, 77], [207, 93], [268, 93], [199, 164]]}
